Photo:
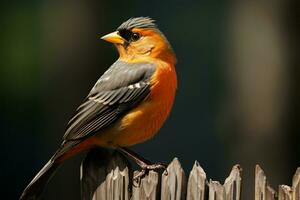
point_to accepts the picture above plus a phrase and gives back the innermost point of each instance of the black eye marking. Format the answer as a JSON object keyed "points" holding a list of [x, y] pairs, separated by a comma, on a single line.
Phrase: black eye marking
{"points": [[128, 35]]}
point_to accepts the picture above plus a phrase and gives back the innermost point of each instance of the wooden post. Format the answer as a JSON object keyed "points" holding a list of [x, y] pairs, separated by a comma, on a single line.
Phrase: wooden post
{"points": [[296, 185], [173, 184], [216, 191], [262, 189], [285, 192], [231, 190], [233, 184], [104, 175], [196, 183], [147, 188]]}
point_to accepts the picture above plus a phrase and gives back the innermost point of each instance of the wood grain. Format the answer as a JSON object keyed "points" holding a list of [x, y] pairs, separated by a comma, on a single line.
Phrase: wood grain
{"points": [[107, 175], [196, 183], [173, 184], [146, 188]]}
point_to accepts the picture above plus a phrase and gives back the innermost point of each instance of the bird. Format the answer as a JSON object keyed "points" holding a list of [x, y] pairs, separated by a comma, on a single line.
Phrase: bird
{"points": [[127, 105]]}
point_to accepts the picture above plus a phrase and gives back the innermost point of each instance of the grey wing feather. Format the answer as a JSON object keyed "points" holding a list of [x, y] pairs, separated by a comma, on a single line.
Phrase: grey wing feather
{"points": [[122, 87], [110, 98]]}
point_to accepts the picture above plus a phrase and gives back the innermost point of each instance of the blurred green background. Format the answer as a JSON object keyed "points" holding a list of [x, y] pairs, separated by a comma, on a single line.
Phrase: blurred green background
{"points": [[238, 98]]}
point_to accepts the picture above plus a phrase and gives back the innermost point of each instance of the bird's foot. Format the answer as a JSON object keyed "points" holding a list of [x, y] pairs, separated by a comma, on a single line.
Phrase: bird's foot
{"points": [[145, 168], [144, 164]]}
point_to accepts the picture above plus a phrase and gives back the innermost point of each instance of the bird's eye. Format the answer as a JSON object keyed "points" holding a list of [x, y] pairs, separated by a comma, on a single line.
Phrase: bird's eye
{"points": [[135, 36]]}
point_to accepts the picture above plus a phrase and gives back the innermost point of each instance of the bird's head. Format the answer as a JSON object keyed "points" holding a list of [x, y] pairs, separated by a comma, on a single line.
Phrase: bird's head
{"points": [[139, 38]]}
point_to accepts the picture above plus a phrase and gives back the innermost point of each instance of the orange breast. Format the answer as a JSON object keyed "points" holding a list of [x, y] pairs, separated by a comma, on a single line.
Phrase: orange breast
{"points": [[144, 121]]}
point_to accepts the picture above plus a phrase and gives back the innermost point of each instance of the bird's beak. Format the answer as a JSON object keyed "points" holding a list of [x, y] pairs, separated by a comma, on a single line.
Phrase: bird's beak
{"points": [[113, 37]]}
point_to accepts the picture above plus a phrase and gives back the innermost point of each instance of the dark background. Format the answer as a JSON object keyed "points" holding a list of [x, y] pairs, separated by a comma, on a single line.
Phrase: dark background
{"points": [[237, 101]]}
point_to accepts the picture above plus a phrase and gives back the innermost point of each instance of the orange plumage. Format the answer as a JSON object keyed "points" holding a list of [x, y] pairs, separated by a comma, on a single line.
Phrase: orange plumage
{"points": [[128, 104], [144, 121]]}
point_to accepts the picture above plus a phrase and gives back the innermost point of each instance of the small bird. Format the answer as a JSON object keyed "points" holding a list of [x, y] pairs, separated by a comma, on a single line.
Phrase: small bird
{"points": [[127, 105]]}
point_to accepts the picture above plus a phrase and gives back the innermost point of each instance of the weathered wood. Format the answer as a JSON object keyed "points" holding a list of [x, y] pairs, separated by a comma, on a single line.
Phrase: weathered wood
{"points": [[231, 190], [262, 189], [296, 185], [285, 192], [216, 191], [233, 184], [104, 175], [146, 188], [196, 183], [173, 182]]}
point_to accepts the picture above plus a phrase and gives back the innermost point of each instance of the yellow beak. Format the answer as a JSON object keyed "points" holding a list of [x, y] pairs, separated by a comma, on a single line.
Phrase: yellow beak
{"points": [[113, 37]]}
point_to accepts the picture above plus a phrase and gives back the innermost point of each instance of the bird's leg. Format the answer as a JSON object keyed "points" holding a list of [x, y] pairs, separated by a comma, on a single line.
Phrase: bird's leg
{"points": [[145, 164]]}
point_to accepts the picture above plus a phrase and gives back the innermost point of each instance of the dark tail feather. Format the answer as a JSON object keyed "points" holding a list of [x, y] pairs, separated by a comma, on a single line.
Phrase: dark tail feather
{"points": [[35, 188]]}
